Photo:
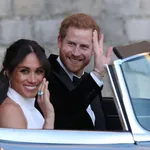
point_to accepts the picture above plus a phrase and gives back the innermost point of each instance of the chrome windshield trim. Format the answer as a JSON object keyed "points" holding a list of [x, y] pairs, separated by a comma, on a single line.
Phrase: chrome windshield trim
{"points": [[121, 114], [65, 137], [135, 126], [133, 57]]}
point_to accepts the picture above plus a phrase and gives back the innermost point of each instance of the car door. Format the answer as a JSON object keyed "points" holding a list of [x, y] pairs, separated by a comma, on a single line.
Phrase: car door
{"points": [[38, 139]]}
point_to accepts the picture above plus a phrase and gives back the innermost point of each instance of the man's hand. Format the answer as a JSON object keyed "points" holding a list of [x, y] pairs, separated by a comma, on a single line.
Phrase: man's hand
{"points": [[99, 59]]}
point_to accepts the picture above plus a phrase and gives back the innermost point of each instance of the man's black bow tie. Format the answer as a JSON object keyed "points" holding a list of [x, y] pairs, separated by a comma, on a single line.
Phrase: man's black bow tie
{"points": [[76, 80]]}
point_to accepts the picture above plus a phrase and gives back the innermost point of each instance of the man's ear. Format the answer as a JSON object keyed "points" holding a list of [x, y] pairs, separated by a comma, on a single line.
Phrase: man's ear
{"points": [[59, 41]]}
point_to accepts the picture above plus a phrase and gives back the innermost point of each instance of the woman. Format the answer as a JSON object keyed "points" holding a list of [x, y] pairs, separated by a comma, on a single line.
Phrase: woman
{"points": [[25, 68]]}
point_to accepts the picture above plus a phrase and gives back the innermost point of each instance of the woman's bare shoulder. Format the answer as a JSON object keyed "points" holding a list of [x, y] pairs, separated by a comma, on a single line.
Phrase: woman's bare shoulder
{"points": [[9, 106], [11, 115]]}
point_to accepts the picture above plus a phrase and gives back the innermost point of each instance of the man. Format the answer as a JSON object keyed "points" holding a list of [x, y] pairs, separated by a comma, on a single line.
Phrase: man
{"points": [[78, 40]]}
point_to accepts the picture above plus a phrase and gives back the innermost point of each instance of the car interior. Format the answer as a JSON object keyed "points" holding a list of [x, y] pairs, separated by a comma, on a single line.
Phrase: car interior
{"points": [[111, 115]]}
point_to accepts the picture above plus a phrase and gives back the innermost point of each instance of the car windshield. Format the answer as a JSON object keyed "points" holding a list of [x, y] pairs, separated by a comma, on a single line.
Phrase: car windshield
{"points": [[136, 72]]}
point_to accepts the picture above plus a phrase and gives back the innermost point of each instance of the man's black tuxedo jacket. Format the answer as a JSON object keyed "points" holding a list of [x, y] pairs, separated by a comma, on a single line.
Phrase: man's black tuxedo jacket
{"points": [[70, 102]]}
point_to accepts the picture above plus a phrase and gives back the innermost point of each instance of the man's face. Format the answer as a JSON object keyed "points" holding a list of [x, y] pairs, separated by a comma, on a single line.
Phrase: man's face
{"points": [[76, 49], [27, 76]]}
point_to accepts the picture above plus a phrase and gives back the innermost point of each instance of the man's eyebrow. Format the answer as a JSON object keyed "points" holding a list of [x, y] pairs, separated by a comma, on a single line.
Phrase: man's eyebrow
{"points": [[70, 41], [85, 44]]}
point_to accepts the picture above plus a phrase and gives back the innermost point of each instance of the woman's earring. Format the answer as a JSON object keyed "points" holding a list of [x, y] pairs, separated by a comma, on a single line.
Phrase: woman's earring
{"points": [[6, 74]]}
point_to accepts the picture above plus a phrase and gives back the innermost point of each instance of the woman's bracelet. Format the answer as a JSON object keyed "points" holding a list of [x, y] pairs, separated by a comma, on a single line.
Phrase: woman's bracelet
{"points": [[102, 74]]}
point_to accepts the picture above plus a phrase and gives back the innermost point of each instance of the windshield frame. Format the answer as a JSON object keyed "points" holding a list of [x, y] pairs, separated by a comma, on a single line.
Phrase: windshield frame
{"points": [[138, 131]]}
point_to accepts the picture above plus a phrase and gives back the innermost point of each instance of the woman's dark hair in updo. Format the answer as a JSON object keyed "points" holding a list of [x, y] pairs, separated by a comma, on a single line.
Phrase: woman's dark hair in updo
{"points": [[15, 55]]}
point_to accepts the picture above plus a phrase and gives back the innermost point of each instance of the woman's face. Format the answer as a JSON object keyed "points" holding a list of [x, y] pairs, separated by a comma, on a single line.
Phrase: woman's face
{"points": [[27, 76]]}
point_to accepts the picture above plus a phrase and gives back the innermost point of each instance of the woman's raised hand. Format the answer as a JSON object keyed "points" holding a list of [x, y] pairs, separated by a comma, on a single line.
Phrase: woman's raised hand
{"points": [[45, 105]]}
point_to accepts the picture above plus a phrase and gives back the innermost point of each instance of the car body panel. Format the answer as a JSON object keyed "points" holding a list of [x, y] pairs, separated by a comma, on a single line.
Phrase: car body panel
{"points": [[28, 146], [61, 137], [72, 147]]}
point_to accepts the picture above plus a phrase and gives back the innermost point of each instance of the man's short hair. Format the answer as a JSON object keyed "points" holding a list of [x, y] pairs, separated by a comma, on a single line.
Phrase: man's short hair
{"points": [[80, 21]]}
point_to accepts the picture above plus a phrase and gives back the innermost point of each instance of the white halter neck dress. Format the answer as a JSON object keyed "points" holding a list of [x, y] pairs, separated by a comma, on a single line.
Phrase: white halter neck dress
{"points": [[34, 118]]}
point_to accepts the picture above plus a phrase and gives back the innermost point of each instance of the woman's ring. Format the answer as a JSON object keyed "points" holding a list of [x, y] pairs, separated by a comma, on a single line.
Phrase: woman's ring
{"points": [[40, 93]]}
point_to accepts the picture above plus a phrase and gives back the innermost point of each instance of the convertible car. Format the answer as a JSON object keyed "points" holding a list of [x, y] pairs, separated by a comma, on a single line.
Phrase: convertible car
{"points": [[127, 115]]}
